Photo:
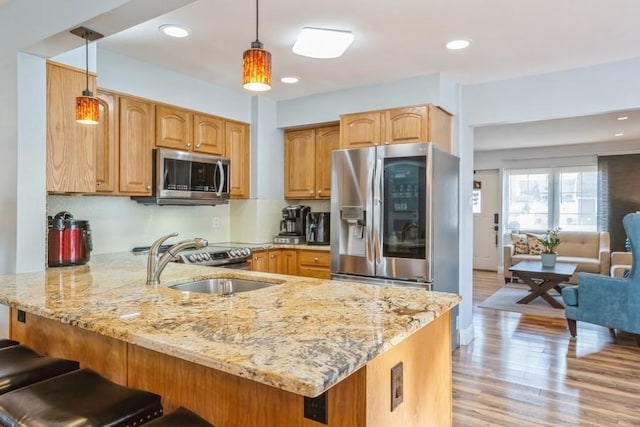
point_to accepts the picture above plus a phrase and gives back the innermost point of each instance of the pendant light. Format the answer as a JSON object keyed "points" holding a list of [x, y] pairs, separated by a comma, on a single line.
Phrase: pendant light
{"points": [[87, 107], [256, 65]]}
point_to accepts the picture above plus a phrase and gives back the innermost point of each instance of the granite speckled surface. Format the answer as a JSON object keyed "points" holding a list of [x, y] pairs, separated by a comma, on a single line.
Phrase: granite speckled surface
{"points": [[303, 335]]}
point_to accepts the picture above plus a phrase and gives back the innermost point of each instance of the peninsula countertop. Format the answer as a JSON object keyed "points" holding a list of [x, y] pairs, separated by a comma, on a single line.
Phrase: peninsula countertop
{"points": [[304, 335]]}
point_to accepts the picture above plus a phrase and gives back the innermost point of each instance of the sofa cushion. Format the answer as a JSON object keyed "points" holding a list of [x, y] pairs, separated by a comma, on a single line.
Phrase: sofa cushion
{"points": [[520, 244], [535, 244]]}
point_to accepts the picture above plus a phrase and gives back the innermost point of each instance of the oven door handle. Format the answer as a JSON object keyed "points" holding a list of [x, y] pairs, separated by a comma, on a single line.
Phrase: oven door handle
{"points": [[221, 170]]}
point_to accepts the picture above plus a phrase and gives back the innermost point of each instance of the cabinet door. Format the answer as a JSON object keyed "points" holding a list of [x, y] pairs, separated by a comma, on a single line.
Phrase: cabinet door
{"points": [[260, 261], [136, 145], [238, 150], [174, 128], [107, 144], [361, 129], [289, 263], [408, 124], [299, 164], [208, 134], [275, 260], [440, 126], [327, 140], [71, 158]]}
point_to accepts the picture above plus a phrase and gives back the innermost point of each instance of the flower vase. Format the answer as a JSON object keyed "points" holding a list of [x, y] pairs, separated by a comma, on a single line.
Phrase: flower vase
{"points": [[548, 260]]}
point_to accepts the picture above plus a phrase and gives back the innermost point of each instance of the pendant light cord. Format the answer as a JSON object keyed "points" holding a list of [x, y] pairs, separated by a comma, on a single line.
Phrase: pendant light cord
{"points": [[86, 57], [257, 21]]}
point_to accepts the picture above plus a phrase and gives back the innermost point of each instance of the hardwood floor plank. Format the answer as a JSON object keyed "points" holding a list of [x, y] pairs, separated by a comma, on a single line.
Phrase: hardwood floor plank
{"points": [[526, 370]]}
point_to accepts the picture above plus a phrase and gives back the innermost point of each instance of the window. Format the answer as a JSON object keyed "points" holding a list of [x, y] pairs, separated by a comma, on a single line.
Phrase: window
{"points": [[545, 198]]}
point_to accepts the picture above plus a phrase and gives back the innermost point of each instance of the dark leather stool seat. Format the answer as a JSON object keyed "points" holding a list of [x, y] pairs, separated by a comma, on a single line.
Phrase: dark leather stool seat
{"points": [[81, 398], [181, 417], [20, 366], [5, 342]]}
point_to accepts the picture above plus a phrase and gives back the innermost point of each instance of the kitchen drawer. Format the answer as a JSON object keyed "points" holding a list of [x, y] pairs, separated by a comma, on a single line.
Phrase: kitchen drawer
{"points": [[316, 272], [314, 258]]}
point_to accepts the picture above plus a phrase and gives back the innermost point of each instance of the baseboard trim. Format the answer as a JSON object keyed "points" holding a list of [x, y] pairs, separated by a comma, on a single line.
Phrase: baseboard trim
{"points": [[500, 269], [466, 335]]}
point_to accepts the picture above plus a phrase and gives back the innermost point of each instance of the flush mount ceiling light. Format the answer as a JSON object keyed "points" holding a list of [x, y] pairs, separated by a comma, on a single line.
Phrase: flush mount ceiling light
{"points": [[322, 43], [172, 30], [256, 65], [87, 107], [618, 134], [458, 44], [290, 79], [623, 118]]}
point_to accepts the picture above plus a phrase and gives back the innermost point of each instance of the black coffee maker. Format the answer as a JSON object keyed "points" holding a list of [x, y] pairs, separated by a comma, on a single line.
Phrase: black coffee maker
{"points": [[293, 221], [317, 229]]}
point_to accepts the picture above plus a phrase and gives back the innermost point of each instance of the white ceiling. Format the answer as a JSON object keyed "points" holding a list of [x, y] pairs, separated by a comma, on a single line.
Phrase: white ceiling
{"points": [[399, 39]]}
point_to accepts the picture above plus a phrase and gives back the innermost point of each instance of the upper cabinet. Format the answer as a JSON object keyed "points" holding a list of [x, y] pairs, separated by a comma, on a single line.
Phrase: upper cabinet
{"points": [[238, 150], [137, 130], [187, 130], [307, 162], [397, 125], [107, 143], [71, 163]]}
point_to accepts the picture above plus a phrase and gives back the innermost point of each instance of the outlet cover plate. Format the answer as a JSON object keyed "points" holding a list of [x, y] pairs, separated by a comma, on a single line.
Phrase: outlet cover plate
{"points": [[397, 393]]}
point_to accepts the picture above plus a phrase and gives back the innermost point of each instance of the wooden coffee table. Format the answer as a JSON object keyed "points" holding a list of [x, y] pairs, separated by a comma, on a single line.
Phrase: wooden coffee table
{"points": [[542, 279]]}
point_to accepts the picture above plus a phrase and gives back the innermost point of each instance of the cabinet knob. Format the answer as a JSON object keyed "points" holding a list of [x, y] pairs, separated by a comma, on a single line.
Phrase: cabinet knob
{"points": [[148, 187], [198, 145], [316, 259], [188, 145], [319, 192], [98, 182], [311, 192], [255, 258], [271, 256]]}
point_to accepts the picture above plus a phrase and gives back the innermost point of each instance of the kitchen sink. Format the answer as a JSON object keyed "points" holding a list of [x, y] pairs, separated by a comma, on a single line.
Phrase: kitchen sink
{"points": [[222, 286]]}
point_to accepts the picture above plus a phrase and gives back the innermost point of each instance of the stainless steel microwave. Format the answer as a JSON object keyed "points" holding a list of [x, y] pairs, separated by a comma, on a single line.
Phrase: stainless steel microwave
{"points": [[186, 178]]}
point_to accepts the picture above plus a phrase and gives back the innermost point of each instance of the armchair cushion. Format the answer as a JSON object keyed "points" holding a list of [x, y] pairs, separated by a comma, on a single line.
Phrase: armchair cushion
{"points": [[570, 295]]}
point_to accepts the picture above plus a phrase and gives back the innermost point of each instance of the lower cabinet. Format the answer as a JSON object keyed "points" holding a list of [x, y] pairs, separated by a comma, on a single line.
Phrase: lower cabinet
{"points": [[295, 262], [314, 264]]}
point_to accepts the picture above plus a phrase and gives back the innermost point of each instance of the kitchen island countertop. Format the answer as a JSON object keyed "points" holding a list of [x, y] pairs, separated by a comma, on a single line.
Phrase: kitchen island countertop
{"points": [[304, 335]]}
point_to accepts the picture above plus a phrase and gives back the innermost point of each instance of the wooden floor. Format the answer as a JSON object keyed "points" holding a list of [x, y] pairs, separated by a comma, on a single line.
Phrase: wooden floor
{"points": [[524, 370]]}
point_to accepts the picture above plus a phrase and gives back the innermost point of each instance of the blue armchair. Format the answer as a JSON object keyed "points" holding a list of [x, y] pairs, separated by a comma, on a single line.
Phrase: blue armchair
{"points": [[613, 302]]}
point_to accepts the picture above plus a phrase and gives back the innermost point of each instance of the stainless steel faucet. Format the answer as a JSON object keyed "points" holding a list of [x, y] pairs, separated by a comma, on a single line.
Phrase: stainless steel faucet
{"points": [[155, 263]]}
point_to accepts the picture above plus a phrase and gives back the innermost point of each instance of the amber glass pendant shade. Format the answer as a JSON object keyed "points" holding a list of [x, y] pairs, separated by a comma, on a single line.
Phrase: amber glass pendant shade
{"points": [[87, 109], [256, 66]]}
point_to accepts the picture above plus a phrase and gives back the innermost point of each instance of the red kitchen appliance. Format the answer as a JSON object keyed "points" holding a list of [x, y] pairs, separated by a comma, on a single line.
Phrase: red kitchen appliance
{"points": [[69, 241]]}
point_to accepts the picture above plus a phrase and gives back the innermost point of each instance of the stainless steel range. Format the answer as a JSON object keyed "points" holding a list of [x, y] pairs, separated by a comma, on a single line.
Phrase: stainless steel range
{"points": [[218, 256]]}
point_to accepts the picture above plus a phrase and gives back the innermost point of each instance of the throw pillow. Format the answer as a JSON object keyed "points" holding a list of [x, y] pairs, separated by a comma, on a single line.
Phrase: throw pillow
{"points": [[520, 243], [535, 244]]}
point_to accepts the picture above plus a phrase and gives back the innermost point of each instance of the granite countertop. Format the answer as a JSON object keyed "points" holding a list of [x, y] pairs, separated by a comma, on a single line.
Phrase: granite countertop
{"points": [[304, 335]]}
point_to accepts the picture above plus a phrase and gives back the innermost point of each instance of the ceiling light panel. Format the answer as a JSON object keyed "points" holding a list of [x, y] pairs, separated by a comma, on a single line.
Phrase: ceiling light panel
{"points": [[458, 44], [322, 43], [172, 30], [290, 79]]}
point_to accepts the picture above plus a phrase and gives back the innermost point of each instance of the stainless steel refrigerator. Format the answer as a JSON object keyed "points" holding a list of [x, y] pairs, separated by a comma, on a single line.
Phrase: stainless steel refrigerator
{"points": [[394, 218]]}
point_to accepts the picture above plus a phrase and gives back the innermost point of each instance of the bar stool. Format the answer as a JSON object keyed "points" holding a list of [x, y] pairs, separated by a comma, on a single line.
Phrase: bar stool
{"points": [[21, 366], [181, 417], [79, 398], [5, 342]]}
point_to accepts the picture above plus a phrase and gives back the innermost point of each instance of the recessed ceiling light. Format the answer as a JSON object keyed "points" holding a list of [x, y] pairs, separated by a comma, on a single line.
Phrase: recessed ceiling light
{"points": [[174, 30], [322, 43], [623, 118], [458, 44], [290, 79], [618, 134]]}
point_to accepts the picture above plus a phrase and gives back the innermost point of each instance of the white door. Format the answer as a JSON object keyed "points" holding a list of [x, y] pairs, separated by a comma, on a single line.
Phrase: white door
{"points": [[486, 220]]}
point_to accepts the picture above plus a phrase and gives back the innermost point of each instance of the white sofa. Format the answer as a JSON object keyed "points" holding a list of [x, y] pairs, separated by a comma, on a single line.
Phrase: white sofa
{"points": [[590, 250]]}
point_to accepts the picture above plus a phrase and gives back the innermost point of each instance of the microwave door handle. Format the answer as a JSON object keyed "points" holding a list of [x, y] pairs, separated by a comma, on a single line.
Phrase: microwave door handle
{"points": [[221, 170]]}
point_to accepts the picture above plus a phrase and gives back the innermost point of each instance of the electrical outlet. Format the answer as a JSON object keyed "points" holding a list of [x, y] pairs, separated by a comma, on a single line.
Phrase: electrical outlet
{"points": [[315, 408], [216, 222], [397, 393], [22, 316]]}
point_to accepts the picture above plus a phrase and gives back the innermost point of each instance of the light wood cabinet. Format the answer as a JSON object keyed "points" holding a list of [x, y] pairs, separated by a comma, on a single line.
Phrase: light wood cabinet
{"points": [[208, 134], [275, 260], [260, 261], [397, 125], [187, 130], [289, 262], [174, 128], [137, 131], [307, 162], [238, 150], [107, 144], [314, 264], [71, 158]]}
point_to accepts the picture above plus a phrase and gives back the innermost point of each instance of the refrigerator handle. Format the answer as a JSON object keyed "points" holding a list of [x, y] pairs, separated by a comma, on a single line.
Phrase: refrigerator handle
{"points": [[376, 228]]}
